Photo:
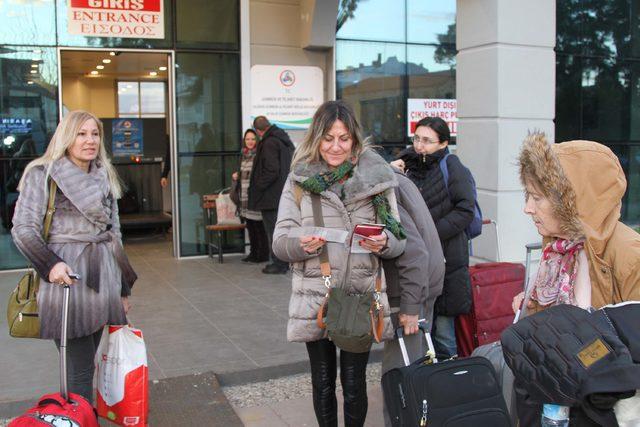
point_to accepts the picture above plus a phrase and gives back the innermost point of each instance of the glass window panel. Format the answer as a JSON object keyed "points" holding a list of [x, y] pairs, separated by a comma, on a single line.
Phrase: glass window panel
{"points": [[152, 98], [28, 118], [28, 22], [379, 20], [128, 99], [569, 17], [66, 39], [371, 77], [568, 97], [431, 22], [635, 29], [208, 23], [606, 90], [606, 27], [209, 131], [431, 71], [631, 202]]}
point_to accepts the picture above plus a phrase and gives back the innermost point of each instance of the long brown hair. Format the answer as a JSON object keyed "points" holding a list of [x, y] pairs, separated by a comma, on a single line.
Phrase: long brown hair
{"points": [[323, 119]]}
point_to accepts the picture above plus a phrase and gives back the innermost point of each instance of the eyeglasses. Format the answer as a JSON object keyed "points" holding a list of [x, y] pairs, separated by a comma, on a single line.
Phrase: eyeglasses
{"points": [[425, 141]]}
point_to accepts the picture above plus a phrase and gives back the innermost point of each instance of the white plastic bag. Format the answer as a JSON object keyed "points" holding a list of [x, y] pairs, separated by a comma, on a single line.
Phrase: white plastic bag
{"points": [[226, 209], [122, 376]]}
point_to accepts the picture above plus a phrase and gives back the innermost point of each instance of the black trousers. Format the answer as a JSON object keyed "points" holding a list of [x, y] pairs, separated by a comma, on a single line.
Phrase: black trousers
{"points": [[269, 219], [80, 365], [258, 242], [353, 377]]}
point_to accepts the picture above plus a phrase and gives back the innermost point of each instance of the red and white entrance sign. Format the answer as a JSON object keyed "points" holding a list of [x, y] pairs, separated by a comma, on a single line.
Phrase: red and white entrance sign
{"points": [[140, 19], [446, 109]]}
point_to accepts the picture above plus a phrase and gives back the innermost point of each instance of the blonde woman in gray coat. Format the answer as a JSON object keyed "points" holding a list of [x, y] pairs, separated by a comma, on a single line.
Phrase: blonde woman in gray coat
{"points": [[356, 186], [84, 239]]}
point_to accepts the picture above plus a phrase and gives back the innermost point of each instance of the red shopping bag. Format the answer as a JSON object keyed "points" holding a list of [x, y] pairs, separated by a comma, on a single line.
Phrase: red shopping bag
{"points": [[122, 376]]}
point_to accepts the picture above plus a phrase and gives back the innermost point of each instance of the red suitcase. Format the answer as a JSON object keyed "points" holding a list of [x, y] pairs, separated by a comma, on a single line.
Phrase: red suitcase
{"points": [[493, 286], [62, 408]]}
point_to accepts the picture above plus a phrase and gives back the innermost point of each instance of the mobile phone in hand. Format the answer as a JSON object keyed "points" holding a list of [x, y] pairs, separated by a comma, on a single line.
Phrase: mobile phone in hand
{"points": [[367, 230], [74, 276]]}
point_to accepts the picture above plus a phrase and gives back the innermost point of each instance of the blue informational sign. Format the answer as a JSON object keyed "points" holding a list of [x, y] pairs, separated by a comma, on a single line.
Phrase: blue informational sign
{"points": [[127, 137], [15, 125]]}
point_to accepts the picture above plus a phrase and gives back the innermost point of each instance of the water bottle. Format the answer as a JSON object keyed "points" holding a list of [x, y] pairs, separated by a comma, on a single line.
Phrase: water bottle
{"points": [[554, 415]]}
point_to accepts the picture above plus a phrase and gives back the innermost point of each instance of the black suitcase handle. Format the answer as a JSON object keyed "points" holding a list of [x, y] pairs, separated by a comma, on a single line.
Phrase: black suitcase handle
{"points": [[431, 353]]}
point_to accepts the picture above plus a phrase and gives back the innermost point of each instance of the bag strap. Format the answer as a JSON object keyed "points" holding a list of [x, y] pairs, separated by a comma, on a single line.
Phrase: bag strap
{"points": [[376, 312], [444, 168], [325, 267], [48, 217]]}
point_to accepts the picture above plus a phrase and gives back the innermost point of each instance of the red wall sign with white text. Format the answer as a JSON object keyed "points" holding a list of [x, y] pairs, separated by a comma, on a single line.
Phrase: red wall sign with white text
{"points": [[140, 19]]}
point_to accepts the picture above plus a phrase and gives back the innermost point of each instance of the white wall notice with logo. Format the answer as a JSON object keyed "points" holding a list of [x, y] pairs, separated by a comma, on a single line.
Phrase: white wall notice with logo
{"points": [[446, 109], [140, 19], [287, 95]]}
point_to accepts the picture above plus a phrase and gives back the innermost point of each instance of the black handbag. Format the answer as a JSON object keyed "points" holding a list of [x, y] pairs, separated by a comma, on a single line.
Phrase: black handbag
{"points": [[352, 321]]}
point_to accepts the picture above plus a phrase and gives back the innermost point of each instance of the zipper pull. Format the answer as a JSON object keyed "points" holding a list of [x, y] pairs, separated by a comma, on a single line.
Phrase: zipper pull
{"points": [[423, 420], [19, 317]]}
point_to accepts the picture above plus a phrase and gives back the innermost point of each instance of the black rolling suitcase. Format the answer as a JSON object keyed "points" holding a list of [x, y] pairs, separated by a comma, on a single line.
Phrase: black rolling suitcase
{"points": [[453, 393]]}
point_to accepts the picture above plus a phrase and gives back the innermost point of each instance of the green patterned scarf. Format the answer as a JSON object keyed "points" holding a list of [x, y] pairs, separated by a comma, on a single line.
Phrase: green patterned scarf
{"points": [[322, 181]]}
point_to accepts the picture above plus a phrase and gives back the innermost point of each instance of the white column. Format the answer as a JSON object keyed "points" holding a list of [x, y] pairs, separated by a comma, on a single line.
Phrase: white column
{"points": [[505, 87]]}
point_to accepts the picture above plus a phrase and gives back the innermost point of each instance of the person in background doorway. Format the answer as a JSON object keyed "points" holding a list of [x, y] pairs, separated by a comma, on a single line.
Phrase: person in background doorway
{"points": [[84, 238], [270, 169], [414, 279], [258, 242], [451, 205], [573, 193], [355, 186], [166, 169]]}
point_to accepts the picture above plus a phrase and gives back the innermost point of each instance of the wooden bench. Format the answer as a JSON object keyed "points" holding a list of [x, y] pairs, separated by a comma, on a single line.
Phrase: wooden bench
{"points": [[209, 211]]}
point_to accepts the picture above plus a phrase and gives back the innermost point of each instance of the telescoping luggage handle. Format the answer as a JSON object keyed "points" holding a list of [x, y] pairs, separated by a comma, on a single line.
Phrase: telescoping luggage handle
{"points": [[431, 353], [522, 311], [63, 343]]}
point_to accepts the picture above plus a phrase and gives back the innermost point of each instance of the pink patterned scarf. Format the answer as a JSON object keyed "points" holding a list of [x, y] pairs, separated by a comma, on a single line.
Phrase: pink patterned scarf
{"points": [[557, 273]]}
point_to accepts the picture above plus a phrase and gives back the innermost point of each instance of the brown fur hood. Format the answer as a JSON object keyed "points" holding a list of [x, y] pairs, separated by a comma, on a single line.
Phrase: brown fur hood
{"points": [[584, 168]]}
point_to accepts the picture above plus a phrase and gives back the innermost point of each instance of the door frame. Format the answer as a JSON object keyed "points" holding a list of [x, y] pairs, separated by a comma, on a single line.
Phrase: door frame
{"points": [[171, 75]]}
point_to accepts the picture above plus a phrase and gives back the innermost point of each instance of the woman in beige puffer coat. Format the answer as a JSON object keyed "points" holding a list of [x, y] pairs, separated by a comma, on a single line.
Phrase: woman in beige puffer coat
{"points": [[356, 186]]}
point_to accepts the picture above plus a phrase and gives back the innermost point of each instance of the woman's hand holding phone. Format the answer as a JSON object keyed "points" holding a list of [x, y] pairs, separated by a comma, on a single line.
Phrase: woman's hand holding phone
{"points": [[311, 244], [374, 243]]}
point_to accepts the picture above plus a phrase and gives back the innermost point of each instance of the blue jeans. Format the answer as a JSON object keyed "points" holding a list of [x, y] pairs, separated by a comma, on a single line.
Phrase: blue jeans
{"points": [[444, 336]]}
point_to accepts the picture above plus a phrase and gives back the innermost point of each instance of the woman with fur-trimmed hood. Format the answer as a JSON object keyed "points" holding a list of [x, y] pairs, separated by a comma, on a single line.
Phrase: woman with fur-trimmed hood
{"points": [[574, 192]]}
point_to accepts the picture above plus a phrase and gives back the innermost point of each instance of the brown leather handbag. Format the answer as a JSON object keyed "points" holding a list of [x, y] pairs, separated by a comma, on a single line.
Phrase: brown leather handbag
{"points": [[22, 307], [352, 321]]}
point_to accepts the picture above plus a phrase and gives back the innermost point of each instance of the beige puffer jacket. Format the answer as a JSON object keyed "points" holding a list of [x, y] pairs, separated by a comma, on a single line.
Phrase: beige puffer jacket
{"points": [[372, 175]]}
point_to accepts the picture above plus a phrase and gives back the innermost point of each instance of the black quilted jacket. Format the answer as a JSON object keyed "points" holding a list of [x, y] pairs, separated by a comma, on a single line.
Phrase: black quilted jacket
{"points": [[569, 356], [452, 212]]}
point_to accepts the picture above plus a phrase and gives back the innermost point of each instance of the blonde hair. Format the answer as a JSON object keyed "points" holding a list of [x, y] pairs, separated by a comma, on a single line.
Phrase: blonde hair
{"points": [[63, 138], [323, 119]]}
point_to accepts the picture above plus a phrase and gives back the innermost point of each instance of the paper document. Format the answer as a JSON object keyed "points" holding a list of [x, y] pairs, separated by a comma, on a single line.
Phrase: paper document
{"points": [[328, 234]]}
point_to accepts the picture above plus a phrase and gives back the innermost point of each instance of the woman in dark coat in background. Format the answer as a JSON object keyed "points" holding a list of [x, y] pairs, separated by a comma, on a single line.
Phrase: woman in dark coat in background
{"points": [[452, 206], [258, 243]]}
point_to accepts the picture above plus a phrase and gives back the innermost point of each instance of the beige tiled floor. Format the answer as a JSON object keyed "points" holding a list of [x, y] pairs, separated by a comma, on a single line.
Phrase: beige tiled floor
{"points": [[196, 315]]}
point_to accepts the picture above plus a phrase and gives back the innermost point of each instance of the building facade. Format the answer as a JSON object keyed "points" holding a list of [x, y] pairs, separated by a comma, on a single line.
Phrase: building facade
{"points": [[188, 81]]}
